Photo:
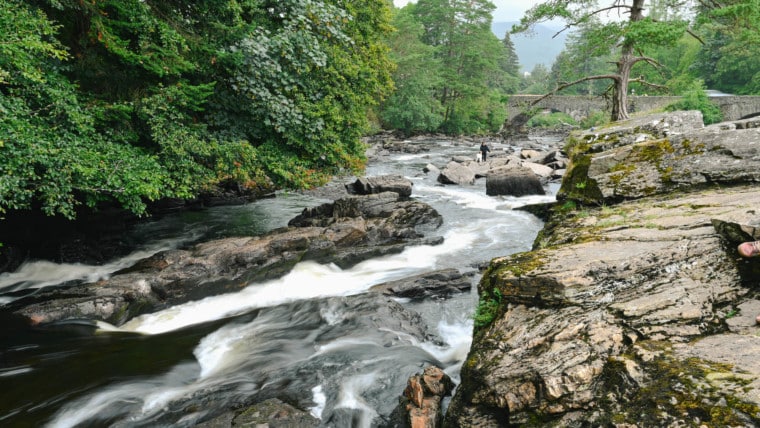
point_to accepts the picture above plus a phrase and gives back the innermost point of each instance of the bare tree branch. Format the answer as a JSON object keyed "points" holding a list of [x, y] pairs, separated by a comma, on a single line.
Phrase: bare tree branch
{"points": [[566, 85]]}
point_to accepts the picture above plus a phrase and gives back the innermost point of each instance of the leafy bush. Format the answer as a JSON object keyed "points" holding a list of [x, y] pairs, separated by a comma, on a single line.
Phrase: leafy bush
{"points": [[595, 118], [696, 99], [129, 101]]}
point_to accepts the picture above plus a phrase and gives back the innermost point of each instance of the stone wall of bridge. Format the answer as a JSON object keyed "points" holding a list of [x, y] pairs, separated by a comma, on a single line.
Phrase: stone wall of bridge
{"points": [[580, 106]]}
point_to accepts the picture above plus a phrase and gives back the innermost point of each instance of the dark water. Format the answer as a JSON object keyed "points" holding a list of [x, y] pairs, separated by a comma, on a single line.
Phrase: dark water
{"points": [[314, 338]]}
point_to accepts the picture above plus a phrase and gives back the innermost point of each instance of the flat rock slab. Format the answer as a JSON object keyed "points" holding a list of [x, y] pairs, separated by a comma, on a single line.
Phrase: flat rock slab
{"points": [[620, 291]]}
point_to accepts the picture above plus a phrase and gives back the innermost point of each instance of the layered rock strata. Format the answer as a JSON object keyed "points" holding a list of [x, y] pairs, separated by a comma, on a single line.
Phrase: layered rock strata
{"points": [[634, 308]]}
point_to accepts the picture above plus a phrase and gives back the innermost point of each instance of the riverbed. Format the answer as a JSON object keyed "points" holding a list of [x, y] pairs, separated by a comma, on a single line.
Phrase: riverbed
{"points": [[314, 338]]}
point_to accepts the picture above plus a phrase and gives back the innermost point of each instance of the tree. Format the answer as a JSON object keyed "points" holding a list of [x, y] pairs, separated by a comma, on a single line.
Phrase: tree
{"points": [[469, 55], [632, 36], [538, 81], [510, 66], [131, 101], [412, 108], [730, 59]]}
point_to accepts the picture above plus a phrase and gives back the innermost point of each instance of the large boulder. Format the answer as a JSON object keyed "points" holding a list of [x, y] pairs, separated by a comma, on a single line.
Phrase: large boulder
{"points": [[513, 181], [380, 184], [613, 165], [456, 173]]}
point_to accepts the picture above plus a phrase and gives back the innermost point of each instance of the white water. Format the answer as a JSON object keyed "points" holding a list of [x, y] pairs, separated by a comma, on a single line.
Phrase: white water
{"points": [[307, 280], [334, 361]]}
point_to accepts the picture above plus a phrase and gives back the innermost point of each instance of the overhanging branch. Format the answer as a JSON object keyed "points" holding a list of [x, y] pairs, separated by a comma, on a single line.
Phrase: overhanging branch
{"points": [[567, 85]]}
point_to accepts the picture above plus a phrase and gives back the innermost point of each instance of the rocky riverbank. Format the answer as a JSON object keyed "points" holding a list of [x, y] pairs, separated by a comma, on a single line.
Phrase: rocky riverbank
{"points": [[634, 308]]}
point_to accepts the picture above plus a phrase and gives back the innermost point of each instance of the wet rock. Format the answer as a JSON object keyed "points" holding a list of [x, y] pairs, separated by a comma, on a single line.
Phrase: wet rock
{"points": [[380, 184], [271, 413], [421, 402], [440, 283], [345, 232], [513, 181], [456, 173], [632, 311]]}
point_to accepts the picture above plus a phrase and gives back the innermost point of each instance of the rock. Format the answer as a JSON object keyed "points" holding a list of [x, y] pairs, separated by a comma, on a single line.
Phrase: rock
{"points": [[530, 155], [380, 184], [542, 171], [456, 173], [462, 159], [652, 164], [431, 169], [441, 283], [633, 311], [345, 232], [421, 402], [513, 181], [271, 413]]}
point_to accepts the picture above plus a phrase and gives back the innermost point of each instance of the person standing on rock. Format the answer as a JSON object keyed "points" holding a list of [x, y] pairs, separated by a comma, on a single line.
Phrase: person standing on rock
{"points": [[483, 150]]}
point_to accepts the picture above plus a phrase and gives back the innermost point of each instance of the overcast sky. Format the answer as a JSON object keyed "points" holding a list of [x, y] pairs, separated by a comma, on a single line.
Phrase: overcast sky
{"points": [[506, 10]]}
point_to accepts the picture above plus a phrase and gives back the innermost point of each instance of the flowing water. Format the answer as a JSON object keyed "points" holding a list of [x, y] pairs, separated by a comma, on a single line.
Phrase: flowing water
{"points": [[313, 338]]}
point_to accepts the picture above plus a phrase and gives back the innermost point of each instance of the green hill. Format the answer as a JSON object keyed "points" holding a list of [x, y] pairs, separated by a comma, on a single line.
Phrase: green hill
{"points": [[541, 47]]}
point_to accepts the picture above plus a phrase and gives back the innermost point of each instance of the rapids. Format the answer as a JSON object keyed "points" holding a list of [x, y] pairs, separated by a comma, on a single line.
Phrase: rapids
{"points": [[314, 338]]}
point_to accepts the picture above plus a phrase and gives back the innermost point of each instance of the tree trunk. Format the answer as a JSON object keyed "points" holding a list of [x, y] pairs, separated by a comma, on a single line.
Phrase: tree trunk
{"points": [[624, 65], [620, 91]]}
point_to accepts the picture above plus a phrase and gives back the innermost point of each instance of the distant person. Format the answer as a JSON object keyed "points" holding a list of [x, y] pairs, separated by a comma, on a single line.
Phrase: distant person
{"points": [[483, 150]]}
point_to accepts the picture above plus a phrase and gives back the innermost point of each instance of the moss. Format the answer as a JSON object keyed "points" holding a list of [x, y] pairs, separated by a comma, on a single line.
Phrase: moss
{"points": [[679, 389], [576, 185], [491, 287], [488, 307], [522, 263]]}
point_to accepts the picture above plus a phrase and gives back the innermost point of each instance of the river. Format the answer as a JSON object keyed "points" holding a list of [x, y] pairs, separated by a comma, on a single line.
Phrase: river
{"points": [[314, 338]]}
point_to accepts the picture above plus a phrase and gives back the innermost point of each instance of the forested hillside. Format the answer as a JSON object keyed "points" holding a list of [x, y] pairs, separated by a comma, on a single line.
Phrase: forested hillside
{"points": [[137, 100]]}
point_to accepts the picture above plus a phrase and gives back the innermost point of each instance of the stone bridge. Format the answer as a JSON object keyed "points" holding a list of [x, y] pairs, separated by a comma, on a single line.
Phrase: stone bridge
{"points": [[734, 107]]}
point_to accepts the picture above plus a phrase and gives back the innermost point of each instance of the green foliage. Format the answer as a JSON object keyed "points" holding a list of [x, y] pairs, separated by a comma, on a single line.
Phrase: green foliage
{"points": [[538, 82], [696, 99], [631, 38], [132, 101], [411, 108], [488, 309], [551, 120], [596, 118], [730, 59], [453, 73]]}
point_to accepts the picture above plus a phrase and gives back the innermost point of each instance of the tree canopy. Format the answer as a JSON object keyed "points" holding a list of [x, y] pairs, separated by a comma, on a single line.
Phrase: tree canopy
{"points": [[453, 71], [621, 25], [137, 100]]}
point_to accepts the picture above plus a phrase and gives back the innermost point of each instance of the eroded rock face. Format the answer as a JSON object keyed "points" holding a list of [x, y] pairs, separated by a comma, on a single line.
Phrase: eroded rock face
{"points": [[638, 312], [421, 402], [659, 155], [350, 230]]}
